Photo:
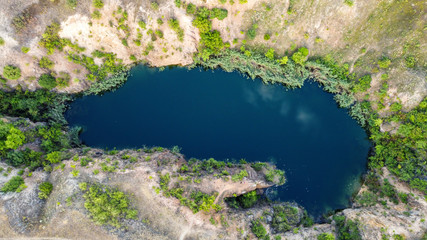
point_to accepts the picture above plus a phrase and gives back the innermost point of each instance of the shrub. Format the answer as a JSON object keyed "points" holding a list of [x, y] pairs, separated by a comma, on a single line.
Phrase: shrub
{"points": [[108, 206], [13, 184], [45, 190], [218, 13], [285, 217], [283, 60], [251, 34], [247, 200], [211, 44], [300, 56], [1, 41], [178, 3], [142, 24], [96, 14], [63, 80], [349, 2], [363, 84], [191, 8], [98, 3], [50, 38], [45, 62], [174, 25], [154, 5], [367, 199], [266, 36], [410, 62], [47, 81], [325, 236], [11, 72], [384, 62], [395, 107], [54, 157], [258, 229], [346, 229], [239, 176], [270, 54], [72, 3], [159, 33], [25, 49], [258, 166]]}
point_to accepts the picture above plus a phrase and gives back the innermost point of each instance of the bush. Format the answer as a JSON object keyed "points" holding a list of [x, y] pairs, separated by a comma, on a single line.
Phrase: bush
{"points": [[346, 229], [45, 190], [154, 5], [98, 3], [363, 84], [63, 80], [191, 9], [45, 62], [47, 81], [251, 34], [384, 62], [54, 157], [266, 37], [10, 137], [367, 199], [218, 13], [325, 236], [247, 200], [142, 24], [25, 49], [50, 38], [410, 62], [72, 3], [300, 56], [349, 2], [96, 14], [1, 41], [108, 206], [11, 72], [258, 229], [239, 176], [174, 25], [285, 217], [270, 54], [13, 184]]}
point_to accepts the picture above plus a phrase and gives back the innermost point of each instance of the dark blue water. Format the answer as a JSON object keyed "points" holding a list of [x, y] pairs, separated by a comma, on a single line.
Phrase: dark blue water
{"points": [[224, 115]]}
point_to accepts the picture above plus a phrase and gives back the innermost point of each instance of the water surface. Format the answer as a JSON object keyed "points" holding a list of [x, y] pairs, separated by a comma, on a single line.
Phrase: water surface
{"points": [[226, 116]]}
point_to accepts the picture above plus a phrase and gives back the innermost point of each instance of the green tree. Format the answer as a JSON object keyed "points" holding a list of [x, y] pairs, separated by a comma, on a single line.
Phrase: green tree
{"points": [[47, 81], [300, 56], [283, 60], [15, 138], [11, 72], [270, 54]]}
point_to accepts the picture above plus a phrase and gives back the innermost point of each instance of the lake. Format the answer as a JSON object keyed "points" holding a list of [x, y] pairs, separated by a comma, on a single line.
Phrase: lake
{"points": [[227, 116]]}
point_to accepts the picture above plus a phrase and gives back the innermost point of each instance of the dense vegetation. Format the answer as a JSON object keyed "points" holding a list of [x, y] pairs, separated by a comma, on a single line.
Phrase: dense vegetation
{"points": [[403, 153], [106, 205], [13, 185]]}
